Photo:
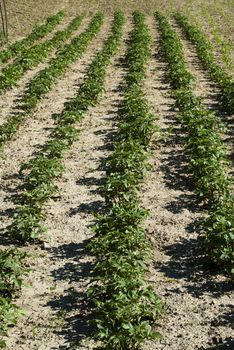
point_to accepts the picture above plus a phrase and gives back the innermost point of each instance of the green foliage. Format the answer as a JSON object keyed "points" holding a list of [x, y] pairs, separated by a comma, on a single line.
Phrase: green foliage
{"points": [[206, 150], [125, 305], [206, 55], [9, 313], [126, 308], [27, 223], [138, 121], [172, 48], [44, 81], [219, 239], [38, 32], [34, 55], [12, 272], [204, 146]]}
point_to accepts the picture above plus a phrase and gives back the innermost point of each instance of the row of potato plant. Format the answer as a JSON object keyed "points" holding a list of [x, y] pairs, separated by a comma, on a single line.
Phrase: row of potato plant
{"points": [[38, 32], [12, 272], [12, 268], [205, 53], [205, 148], [31, 57], [47, 165], [46, 78], [44, 168], [125, 303]]}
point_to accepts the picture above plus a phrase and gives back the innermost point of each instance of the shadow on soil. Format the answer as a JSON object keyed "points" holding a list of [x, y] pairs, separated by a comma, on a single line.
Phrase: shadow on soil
{"points": [[187, 263], [76, 312], [73, 305], [227, 344]]}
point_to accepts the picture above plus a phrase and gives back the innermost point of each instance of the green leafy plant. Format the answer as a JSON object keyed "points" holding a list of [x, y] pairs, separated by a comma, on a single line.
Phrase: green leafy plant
{"points": [[38, 32], [12, 272], [205, 53], [126, 306], [43, 82], [204, 146], [31, 57], [9, 313]]}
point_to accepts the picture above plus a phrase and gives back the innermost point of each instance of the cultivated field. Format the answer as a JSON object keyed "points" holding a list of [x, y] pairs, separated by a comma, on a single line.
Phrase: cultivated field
{"points": [[116, 180]]}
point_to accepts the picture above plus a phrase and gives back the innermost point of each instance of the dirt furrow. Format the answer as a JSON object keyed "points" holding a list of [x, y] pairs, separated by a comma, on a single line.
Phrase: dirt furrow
{"points": [[36, 129], [10, 100], [198, 307], [57, 307]]}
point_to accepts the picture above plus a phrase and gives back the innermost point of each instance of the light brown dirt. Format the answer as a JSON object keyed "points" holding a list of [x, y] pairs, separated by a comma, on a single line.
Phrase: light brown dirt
{"points": [[23, 16], [215, 18]]}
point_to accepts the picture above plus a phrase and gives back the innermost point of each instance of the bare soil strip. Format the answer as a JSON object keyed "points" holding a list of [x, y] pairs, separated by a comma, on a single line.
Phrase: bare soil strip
{"points": [[198, 303], [57, 307], [38, 126], [10, 101]]}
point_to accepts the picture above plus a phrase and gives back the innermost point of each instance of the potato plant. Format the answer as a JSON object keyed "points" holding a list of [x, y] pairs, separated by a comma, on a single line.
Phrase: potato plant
{"points": [[12, 272], [31, 57], [45, 167], [126, 305], [45, 79], [207, 153], [205, 53], [18, 47]]}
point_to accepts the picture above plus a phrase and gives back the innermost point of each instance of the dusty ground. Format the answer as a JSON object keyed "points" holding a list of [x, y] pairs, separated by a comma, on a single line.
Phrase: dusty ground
{"points": [[199, 303]]}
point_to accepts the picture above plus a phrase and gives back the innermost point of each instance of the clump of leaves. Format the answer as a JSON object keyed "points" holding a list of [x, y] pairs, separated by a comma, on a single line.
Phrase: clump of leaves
{"points": [[9, 313], [11, 271]]}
